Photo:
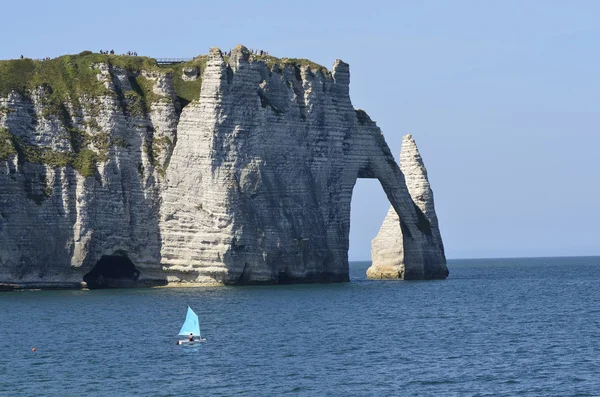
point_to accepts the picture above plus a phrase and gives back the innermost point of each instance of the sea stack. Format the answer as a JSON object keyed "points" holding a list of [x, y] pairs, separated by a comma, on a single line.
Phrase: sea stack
{"points": [[387, 248]]}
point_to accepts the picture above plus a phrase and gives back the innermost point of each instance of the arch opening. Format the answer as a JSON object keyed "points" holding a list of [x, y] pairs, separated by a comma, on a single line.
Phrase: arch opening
{"points": [[369, 206], [112, 271]]}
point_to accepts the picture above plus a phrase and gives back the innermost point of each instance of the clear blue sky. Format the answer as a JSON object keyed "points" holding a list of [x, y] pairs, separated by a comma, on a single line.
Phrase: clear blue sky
{"points": [[502, 97]]}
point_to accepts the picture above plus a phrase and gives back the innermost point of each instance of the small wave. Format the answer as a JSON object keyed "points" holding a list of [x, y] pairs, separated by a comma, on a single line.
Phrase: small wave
{"points": [[432, 382]]}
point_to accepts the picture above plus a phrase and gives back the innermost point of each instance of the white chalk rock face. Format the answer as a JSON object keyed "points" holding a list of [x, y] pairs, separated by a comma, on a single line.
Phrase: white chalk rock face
{"points": [[249, 183], [387, 247], [83, 183]]}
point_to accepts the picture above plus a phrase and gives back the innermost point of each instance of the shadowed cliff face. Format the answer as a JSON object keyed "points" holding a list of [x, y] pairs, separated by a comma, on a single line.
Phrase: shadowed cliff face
{"points": [[246, 180]]}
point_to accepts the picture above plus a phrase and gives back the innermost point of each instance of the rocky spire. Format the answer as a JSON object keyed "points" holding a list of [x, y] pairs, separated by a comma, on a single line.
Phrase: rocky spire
{"points": [[386, 248], [415, 175]]}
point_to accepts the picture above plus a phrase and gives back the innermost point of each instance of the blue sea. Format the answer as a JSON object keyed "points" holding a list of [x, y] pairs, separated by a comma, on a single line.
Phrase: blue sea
{"points": [[495, 327]]}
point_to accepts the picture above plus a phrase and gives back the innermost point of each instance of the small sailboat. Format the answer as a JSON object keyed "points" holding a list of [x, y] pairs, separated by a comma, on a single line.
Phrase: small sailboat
{"points": [[191, 329]]}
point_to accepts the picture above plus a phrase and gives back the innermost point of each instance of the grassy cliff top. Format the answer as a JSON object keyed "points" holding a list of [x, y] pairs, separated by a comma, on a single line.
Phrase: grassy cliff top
{"points": [[70, 77], [68, 74], [271, 61]]}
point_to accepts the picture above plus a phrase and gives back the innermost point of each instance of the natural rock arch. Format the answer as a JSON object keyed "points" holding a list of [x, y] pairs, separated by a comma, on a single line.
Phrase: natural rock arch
{"points": [[388, 248]]}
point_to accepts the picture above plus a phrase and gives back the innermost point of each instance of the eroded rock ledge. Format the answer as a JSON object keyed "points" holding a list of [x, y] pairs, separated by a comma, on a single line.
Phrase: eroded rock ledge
{"points": [[234, 170]]}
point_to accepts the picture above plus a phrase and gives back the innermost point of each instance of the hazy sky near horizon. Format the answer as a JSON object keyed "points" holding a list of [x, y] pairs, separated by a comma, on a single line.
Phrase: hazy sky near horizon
{"points": [[502, 97]]}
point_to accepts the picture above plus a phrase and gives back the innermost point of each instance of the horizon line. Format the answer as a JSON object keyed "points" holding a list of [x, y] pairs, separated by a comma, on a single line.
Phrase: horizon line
{"points": [[504, 257]]}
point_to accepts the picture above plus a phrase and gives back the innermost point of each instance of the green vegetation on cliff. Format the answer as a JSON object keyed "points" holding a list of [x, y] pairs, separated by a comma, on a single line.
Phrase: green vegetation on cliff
{"points": [[71, 87], [188, 91], [71, 82], [67, 78], [88, 150], [271, 61], [6, 146]]}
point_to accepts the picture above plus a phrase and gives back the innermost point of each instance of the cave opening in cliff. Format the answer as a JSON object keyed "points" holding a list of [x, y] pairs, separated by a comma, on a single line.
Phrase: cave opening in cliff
{"points": [[112, 271]]}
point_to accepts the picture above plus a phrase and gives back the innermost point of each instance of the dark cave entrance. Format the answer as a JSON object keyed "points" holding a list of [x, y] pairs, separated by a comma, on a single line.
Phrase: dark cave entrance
{"points": [[112, 271]]}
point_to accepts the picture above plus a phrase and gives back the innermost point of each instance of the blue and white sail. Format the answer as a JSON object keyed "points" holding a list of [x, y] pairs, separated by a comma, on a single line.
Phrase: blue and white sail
{"points": [[191, 325]]}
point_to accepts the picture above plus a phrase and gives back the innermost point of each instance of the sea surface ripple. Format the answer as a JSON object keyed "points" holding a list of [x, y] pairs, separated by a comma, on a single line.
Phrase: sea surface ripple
{"points": [[495, 327]]}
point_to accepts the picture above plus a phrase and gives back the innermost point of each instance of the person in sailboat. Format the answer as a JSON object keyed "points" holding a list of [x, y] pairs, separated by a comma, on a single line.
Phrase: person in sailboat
{"points": [[190, 328]]}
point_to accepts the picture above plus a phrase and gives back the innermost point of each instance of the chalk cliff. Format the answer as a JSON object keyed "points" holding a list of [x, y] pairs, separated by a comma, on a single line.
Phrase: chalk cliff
{"points": [[115, 170], [387, 247]]}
